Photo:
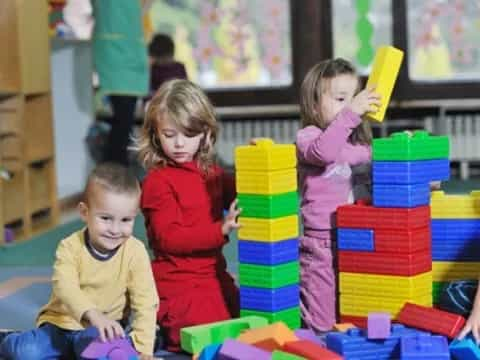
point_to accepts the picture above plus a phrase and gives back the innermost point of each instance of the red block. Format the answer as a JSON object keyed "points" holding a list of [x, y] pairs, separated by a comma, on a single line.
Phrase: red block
{"points": [[309, 350], [385, 263], [403, 241], [434, 320], [361, 216], [358, 321]]}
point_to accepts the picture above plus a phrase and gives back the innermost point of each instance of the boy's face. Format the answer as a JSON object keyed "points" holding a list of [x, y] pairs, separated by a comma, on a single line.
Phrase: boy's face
{"points": [[109, 216]]}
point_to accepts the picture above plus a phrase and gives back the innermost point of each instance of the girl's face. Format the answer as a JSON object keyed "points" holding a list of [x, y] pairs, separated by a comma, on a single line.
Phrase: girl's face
{"points": [[179, 147], [336, 93]]}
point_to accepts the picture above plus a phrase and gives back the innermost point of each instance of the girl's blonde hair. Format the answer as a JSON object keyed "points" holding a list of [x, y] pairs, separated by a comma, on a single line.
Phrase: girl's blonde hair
{"points": [[186, 105], [314, 85]]}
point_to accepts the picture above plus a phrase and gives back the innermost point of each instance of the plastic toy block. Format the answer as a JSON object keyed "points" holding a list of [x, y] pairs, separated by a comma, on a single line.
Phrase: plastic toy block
{"points": [[210, 352], [355, 239], [269, 338], [263, 276], [445, 206], [194, 338], [291, 317], [266, 183], [265, 155], [362, 216], [430, 319], [268, 206], [343, 327], [363, 305], [402, 287], [401, 196], [116, 349], [235, 350], [358, 321], [455, 240], [424, 347], [310, 350], [449, 271], [280, 355], [437, 288], [268, 230], [465, 349], [354, 344], [378, 325], [308, 334], [402, 146], [385, 68], [403, 241], [265, 253], [269, 300], [385, 263], [410, 172]]}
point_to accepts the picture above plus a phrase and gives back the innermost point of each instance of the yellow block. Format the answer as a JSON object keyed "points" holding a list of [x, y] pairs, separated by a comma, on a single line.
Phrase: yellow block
{"points": [[266, 183], [443, 206], [449, 270], [276, 334], [385, 285], [386, 66], [362, 305], [265, 156], [268, 230]]}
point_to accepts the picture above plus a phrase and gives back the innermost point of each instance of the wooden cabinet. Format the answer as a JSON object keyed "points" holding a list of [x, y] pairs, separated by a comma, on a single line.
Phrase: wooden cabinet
{"points": [[26, 123]]}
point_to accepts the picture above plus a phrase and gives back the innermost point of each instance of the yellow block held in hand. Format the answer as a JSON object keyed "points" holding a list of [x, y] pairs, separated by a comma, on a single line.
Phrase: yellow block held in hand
{"points": [[386, 67]]}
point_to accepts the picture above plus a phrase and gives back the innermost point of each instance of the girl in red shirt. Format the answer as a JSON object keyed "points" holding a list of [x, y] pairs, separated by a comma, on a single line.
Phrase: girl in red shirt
{"points": [[183, 197]]}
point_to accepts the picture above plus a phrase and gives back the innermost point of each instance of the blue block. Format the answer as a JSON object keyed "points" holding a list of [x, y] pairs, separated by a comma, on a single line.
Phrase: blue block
{"points": [[456, 252], [465, 349], [425, 347], [270, 300], [355, 239], [210, 352], [353, 344], [401, 196], [264, 253], [456, 239], [410, 172]]}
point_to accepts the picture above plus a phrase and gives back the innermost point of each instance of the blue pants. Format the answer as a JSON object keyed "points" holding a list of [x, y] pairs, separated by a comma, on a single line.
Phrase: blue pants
{"points": [[47, 342]]}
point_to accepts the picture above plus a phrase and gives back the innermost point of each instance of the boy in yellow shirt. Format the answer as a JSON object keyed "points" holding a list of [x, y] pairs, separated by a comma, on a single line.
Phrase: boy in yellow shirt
{"points": [[101, 275]]}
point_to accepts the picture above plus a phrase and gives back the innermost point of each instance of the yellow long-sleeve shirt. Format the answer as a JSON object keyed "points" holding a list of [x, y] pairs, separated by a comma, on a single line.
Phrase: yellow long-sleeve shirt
{"points": [[116, 286]]}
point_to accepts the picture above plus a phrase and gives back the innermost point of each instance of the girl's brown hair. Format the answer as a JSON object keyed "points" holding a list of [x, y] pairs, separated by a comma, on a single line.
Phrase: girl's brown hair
{"points": [[311, 95], [186, 105]]}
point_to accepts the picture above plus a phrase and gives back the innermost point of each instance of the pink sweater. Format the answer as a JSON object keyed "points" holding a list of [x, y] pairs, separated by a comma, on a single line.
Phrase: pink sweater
{"points": [[325, 158]]}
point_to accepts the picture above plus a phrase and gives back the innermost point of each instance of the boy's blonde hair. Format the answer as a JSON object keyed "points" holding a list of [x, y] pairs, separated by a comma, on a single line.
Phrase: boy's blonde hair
{"points": [[187, 106], [312, 88], [112, 177]]}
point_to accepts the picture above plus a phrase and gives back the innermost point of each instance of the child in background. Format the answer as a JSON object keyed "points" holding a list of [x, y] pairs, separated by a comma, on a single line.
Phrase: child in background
{"points": [[163, 66], [183, 198], [101, 275], [333, 138]]}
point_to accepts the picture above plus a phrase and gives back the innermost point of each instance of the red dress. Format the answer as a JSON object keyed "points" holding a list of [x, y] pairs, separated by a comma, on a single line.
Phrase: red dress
{"points": [[183, 215]]}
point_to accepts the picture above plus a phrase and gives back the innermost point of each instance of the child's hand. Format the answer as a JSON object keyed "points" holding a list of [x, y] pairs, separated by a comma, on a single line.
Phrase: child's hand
{"points": [[365, 101], [435, 185], [473, 325], [230, 221], [107, 328]]}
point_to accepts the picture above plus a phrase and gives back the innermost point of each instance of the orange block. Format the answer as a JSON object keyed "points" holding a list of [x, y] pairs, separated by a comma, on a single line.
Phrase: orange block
{"points": [[342, 327], [270, 338]]}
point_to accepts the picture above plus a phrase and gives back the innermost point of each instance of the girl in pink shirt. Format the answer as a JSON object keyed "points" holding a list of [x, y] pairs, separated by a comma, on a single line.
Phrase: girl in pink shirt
{"points": [[333, 138]]}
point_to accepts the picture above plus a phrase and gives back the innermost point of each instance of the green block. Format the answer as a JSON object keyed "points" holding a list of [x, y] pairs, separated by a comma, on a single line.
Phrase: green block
{"points": [[437, 288], [270, 277], [194, 338], [291, 317], [280, 355], [400, 146], [268, 206]]}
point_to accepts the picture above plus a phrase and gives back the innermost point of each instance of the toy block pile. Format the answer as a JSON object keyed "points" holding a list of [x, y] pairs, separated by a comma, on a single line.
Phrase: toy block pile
{"points": [[266, 179], [385, 249], [455, 238]]}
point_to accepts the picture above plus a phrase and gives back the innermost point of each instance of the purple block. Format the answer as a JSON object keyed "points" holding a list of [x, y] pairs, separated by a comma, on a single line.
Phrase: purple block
{"points": [[8, 235], [235, 350], [378, 325], [308, 334], [118, 349]]}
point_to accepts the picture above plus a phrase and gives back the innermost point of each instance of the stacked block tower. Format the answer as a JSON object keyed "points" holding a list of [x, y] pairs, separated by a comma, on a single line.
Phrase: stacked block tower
{"points": [[455, 238], [385, 249], [266, 178]]}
